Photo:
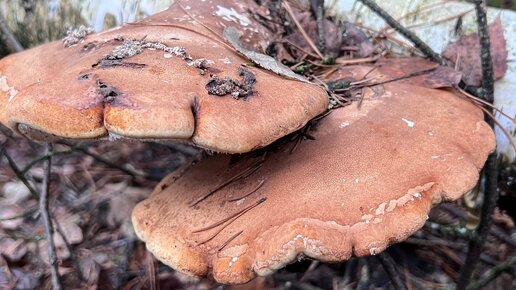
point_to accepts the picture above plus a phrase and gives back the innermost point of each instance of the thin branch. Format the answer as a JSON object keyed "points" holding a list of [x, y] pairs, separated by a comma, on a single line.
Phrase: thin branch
{"points": [[418, 43], [500, 125], [35, 161], [490, 170], [101, 159], [318, 9], [415, 12], [73, 257], [390, 268], [479, 100], [19, 174], [19, 216], [492, 274], [12, 43], [45, 219], [410, 75]]}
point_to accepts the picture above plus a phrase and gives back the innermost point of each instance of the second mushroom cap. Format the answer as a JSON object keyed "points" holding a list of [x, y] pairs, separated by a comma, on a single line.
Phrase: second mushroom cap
{"points": [[368, 179]]}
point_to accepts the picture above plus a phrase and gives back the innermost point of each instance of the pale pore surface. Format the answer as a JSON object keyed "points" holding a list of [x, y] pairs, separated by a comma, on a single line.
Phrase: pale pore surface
{"points": [[367, 181], [55, 89]]}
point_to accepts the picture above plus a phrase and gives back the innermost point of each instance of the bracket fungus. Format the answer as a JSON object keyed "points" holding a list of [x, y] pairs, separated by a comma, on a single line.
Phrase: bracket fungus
{"points": [[367, 180], [147, 80]]}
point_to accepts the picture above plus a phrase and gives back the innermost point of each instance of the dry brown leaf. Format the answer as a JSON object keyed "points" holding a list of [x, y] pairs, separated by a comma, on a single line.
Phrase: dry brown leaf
{"points": [[15, 192], [121, 207], [465, 54], [26, 279], [7, 212], [71, 229], [503, 219], [337, 37], [14, 250], [90, 269], [62, 251]]}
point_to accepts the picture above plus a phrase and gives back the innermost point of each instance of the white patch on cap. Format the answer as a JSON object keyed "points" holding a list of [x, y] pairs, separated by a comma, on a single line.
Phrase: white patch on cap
{"points": [[409, 123], [4, 87], [232, 15]]}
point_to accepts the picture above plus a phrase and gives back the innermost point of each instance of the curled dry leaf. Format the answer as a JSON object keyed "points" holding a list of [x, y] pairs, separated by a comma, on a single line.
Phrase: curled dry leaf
{"points": [[464, 54], [232, 35]]}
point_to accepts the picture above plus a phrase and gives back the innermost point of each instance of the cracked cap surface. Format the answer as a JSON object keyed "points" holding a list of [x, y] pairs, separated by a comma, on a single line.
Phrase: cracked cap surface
{"points": [[68, 93], [368, 180]]}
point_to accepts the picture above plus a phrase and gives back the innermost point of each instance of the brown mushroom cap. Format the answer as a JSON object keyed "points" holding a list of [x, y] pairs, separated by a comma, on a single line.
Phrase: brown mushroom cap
{"points": [[368, 180], [70, 93]]}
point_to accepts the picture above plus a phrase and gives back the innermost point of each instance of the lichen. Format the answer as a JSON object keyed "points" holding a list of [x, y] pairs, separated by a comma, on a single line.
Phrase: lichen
{"points": [[77, 35], [132, 47]]}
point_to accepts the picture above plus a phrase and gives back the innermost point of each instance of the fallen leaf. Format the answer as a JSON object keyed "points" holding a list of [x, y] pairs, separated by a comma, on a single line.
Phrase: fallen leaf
{"points": [[15, 192], [14, 250], [338, 36], [465, 54], [333, 37], [232, 35], [91, 270], [26, 279], [503, 219], [6, 277], [9, 219], [62, 251], [121, 205], [71, 229]]}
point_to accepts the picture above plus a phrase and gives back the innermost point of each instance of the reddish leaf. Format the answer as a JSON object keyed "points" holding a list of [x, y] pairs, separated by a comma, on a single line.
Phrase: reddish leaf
{"points": [[466, 53]]}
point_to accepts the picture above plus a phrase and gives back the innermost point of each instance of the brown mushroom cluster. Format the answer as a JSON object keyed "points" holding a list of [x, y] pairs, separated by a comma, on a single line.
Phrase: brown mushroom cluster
{"points": [[366, 178]]}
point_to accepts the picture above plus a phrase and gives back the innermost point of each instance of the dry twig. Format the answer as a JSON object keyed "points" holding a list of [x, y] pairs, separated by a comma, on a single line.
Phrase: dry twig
{"points": [[492, 274], [47, 223], [19, 174], [390, 268], [490, 169], [418, 43], [73, 256]]}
